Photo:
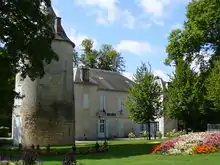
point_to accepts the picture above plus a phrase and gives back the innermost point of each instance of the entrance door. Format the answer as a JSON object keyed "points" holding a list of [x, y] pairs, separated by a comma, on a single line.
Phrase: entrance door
{"points": [[16, 129], [101, 128]]}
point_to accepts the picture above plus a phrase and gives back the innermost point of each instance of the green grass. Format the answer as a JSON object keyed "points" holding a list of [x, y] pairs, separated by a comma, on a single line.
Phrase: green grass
{"points": [[134, 152]]}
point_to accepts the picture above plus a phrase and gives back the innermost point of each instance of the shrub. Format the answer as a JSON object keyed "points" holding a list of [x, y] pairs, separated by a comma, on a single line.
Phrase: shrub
{"points": [[20, 146], [97, 147], [144, 134], [4, 131], [11, 163], [69, 159], [48, 148], [29, 157], [38, 147], [131, 135], [174, 133], [159, 134]]}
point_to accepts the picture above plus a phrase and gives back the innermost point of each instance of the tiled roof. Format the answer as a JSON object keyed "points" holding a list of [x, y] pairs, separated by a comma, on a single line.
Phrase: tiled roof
{"points": [[106, 80], [62, 34]]}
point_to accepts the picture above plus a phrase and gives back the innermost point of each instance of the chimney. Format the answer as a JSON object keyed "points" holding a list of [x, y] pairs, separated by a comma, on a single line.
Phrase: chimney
{"points": [[85, 74], [57, 25]]}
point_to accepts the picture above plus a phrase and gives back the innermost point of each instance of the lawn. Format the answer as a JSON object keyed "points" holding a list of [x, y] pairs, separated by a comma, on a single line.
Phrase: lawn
{"points": [[134, 152]]}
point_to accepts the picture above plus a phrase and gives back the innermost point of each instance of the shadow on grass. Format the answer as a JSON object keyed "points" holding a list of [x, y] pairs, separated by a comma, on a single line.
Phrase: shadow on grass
{"points": [[115, 151]]}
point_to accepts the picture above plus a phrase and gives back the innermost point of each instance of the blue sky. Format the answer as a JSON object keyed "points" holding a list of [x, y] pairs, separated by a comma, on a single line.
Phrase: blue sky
{"points": [[136, 28]]}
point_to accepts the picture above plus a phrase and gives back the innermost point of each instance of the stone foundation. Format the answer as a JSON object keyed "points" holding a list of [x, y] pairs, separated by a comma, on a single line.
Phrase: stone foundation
{"points": [[42, 132]]}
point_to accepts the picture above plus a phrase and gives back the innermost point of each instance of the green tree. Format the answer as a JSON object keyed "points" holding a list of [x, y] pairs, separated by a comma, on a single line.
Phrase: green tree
{"points": [[25, 43], [143, 101], [200, 35], [76, 58], [182, 96], [106, 58], [198, 40], [110, 59], [89, 54], [213, 86]]}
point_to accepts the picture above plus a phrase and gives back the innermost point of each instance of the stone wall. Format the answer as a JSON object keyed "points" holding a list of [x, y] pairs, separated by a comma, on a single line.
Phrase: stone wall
{"points": [[47, 111], [42, 132]]}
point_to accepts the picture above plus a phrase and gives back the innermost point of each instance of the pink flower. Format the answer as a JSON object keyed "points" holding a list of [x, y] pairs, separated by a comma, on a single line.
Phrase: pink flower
{"points": [[212, 139], [170, 143]]}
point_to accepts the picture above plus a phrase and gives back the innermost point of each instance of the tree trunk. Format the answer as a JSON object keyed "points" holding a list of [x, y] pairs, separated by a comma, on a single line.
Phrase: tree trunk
{"points": [[149, 133], [186, 127], [155, 130]]}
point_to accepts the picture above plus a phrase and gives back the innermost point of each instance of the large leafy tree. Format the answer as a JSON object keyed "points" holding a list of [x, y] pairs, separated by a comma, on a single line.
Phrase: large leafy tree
{"points": [[143, 101], [198, 43], [89, 54], [213, 86], [106, 58], [200, 36], [182, 96], [110, 59], [25, 43]]}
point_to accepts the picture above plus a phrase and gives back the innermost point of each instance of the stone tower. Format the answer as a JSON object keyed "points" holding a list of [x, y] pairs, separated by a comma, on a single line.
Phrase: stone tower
{"points": [[46, 113]]}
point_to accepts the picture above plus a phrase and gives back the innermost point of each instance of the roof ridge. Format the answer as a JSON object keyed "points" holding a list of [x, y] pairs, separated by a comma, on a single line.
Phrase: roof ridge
{"points": [[102, 70]]}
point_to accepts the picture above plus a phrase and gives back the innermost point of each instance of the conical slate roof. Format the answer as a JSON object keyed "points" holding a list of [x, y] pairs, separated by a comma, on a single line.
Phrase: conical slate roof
{"points": [[60, 34]]}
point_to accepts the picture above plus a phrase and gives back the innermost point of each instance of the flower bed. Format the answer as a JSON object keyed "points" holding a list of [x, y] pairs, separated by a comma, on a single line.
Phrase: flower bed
{"points": [[192, 143]]}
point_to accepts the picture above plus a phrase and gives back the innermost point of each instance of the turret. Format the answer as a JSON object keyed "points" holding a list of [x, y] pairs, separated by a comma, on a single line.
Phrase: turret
{"points": [[46, 115]]}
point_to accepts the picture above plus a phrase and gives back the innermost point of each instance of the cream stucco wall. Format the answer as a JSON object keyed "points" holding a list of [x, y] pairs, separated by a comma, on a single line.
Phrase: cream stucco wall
{"points": [[87, 120]]}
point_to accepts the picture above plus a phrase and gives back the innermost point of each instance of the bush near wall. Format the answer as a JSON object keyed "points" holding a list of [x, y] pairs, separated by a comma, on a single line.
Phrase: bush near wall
{"points": [[4, 131], [5, 121]]}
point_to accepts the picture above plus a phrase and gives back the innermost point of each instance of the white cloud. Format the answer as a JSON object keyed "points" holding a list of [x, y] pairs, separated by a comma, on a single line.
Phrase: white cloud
{"points": [[161, 74], [145, 25], [157, 72], [157, 10], [103, 6], [158, 22], [176, 26], [129, 19], [108, 12], [129, 75], [135, 47], [154, 7], [77, 38]]}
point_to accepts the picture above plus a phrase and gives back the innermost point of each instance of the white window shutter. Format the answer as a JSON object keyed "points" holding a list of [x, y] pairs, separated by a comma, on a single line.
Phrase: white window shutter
{"points": [[119, 104], [104, 103], [101, 102], [122, 106], [85, 101]]}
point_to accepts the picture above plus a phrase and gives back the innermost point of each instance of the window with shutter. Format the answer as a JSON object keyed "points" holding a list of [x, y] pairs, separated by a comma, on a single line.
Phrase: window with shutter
{"points": [[85, 101], [104, 103], [120, 104], [101, 103]]}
